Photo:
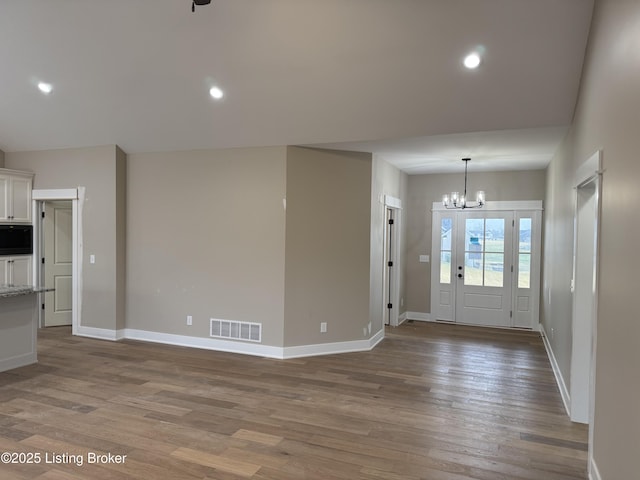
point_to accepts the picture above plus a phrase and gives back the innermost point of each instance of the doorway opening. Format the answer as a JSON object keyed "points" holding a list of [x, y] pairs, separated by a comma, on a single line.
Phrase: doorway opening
{"points": [[62, 244], [391, 261]]}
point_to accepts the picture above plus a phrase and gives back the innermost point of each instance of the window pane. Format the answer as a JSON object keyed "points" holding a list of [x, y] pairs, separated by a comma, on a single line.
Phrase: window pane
{"points": [[494, 235], [494, 270], [445, 267], [445, 233], [473, 268], [524, 270], [524, 235], [474, 234]]}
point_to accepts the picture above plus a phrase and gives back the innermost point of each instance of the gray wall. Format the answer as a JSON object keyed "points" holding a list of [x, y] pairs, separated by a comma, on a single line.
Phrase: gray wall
{"points": [[607, 118], [1, 159], [423, 190], [327, 245], [95, 169], [205, 237]]}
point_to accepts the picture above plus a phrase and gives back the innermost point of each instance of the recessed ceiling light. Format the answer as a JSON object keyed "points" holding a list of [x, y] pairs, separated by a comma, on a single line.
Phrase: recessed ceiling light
{"points": [[472, 60], [216, 92], [45, 87]]}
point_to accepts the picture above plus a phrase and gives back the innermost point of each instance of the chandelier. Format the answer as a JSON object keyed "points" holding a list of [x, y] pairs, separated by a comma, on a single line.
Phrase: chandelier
{"points": [[455, 200]]}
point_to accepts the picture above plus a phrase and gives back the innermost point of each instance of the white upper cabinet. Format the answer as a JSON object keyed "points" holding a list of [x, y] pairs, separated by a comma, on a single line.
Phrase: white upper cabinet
{"points": [[15, 196]]}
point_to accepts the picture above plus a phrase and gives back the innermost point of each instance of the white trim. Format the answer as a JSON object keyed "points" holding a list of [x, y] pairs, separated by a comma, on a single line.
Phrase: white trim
{"points": [[231, 346], [402, 318], [594, 473], [77, 246], [498, 205], [562, 386], [392, 202], [333, 348], [99, 333], [591, 167], [61, 194], [76, 195], [394, 256], [204, 343], [421, 317]]}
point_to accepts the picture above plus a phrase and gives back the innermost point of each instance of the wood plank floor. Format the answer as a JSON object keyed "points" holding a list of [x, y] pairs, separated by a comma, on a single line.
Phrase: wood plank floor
{"points": [[432, 402]]}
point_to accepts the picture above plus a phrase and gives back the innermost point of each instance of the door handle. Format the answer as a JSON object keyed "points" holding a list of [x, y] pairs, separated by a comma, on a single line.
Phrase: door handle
{"points": [[459, 275]]}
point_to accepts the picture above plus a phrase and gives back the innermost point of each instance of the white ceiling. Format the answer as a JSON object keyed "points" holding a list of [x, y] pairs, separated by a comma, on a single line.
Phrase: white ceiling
{"points": [[376, 75]]}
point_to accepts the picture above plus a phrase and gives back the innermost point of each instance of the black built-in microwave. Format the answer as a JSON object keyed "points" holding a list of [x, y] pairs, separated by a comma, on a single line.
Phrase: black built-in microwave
{"points": [[16, 239]]}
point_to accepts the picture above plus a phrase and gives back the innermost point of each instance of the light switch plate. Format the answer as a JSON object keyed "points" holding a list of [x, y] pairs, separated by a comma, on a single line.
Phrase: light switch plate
{"points": [[424, 258]]}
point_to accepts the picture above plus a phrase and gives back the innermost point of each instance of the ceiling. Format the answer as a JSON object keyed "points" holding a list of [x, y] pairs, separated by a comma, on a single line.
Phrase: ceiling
{"points": [[372, 75]]}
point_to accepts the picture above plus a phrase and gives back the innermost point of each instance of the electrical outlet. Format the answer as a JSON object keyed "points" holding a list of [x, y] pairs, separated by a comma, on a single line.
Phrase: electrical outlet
{"points": [[189, 320], [323, 327]]}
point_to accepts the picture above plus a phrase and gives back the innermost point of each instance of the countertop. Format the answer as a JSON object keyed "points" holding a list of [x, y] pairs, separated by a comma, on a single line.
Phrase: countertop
{"points": [[15, 290]]}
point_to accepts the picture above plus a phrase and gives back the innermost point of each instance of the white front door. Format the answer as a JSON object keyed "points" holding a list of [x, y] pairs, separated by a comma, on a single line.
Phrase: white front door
{"points": [[486, 264], [57, 227], [483, 268]]}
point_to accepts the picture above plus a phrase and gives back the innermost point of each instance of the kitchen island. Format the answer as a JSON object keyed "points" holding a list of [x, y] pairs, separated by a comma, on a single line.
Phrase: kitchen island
{"points": [[18, 325]]}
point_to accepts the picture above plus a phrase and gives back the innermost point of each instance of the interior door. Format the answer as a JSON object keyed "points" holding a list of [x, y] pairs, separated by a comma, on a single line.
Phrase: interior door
{"points": [[57, 228], [483, 269]]}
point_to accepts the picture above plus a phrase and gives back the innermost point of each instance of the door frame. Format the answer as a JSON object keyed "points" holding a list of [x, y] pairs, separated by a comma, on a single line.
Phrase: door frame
{"points": [[583, 351], [391, 284], [76, 195], [516, 206]]}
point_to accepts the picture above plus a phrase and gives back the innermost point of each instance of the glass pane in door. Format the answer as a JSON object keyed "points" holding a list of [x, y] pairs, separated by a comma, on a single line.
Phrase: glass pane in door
{"points": [[484, 252], [473, 268], [445, 267], [494, 270], [494, 236], [446, 241], [524, 235], [524, 270]]}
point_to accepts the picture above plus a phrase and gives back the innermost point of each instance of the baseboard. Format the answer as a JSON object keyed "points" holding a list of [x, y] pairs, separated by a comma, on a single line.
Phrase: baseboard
{"points": [[99, 333], [333, 348], [18, 361], [253, 348], [204, 343], [594, 473], [562, 386], [419, 316], [402, 318]]}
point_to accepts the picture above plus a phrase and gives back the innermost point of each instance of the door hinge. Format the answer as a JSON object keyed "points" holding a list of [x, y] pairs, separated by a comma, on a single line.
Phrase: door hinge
{"points": [[389, 305], [391, 221], [513, 223], [42, 214], [43, 260], [511, 268], [510, 313], [389, 264], [43, 306]]}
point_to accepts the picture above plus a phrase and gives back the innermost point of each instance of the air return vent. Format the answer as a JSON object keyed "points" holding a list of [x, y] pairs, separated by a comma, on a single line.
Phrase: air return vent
{"points": [[251, 332]]}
